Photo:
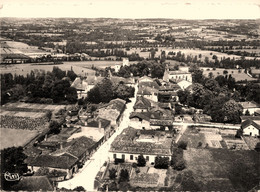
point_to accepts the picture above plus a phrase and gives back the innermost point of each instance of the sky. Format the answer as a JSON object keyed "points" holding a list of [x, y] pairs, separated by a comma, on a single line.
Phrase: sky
{"points": [[175, 9]]}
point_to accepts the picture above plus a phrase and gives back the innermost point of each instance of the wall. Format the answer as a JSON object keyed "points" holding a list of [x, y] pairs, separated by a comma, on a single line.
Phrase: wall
{"points": [[135, 156], [135, 123], [251, 129]]}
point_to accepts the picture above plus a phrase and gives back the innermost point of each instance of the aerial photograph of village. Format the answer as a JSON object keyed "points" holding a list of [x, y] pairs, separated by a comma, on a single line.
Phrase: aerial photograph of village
{"points": [[160, 95]]}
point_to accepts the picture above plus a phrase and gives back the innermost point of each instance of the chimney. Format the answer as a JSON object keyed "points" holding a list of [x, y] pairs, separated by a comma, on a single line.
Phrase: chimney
{"points": [[99, 124], [61, 145], [45, 138]]}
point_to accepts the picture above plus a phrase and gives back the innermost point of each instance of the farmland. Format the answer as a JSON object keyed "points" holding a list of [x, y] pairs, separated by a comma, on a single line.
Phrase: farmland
{"points": [[239, 76], [15, 137], [222, 169]]}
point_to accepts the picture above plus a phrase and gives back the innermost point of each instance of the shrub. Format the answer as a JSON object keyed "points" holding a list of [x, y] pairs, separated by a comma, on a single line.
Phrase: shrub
{"points": [[141, 162], [182, 145], [180, 165], [161, 162], [112, 173], [134, 165], [124, 176]]}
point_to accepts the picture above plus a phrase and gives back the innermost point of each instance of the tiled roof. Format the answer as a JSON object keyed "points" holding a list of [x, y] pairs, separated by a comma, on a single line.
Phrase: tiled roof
{"points": [[128, 142], [249, 122], [251, 104], [118, 104], [62, 162], [77, 147], [142, 103], [178, 72], [140, 115], [34, 183], [79, 84], [149, 84], [161, 122], [104, 123], [146, 91]]}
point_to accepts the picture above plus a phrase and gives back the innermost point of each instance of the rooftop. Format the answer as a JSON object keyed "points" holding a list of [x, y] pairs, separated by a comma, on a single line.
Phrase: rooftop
{"points": [[142, 103], [249, 122], [33, 183], [249, 104], [62, 162], [147, 142]]}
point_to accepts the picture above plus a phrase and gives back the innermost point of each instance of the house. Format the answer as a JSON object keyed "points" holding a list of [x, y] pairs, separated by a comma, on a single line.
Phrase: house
{"points": [[168, 93], [92, 81], [125, 62], [251, 106], [176, 75], [250, 128], [184, 84], [33, 183], [113, 111], [133, 142], [142, 104], [81, 85], [98, 129], [150, 84], [140, 120], [65, 163], [81, 148], [145, 79], [117, 67], [148, 93]]}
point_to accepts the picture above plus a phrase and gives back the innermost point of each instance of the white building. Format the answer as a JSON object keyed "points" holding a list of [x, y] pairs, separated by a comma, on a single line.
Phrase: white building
{"points": [[132, 142], [251, 106], [250, 128], [125, 62]]}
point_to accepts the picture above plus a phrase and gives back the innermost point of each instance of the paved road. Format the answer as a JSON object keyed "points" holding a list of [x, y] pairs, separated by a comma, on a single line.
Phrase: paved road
{"points": [[86, 176]]}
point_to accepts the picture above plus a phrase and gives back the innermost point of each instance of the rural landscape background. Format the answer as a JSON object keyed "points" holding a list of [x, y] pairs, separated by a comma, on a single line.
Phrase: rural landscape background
{"points": [[130, 95]]}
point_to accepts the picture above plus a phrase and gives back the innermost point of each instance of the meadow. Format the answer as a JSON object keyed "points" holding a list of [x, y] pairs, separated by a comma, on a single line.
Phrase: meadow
{"points": [[15, 137], [234, 72]]}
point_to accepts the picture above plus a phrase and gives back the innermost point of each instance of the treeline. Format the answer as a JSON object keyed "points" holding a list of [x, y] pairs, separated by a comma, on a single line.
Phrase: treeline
{"points": [[39, 87], [106, 90], [217, 97], [156, 70], [226, 63]]}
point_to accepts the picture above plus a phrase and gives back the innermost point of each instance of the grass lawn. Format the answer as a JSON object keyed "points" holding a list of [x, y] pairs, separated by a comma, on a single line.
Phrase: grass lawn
{"points": [[222, 169], [219, 71], [15, 137], [251, 141], [193, 137]]}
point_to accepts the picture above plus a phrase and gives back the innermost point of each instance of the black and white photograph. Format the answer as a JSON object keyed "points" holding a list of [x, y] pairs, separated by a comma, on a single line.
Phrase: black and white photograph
{"points": [[130, 95]]}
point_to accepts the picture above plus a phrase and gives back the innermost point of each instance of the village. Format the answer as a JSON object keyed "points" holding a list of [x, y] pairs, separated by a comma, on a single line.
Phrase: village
{"points": [[151, 140]]}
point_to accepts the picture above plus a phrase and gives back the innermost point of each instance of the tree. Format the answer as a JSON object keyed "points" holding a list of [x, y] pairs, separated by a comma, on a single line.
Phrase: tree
{"points": [[112, 173], [12, 162], [161, 162], [48, 115], [211, 84], [72, 75], [124, 175], [182, 145], [54, 127], [239, 133], [79, 188], [232, 111], [141, 162], [71, 95], [247, 113]]}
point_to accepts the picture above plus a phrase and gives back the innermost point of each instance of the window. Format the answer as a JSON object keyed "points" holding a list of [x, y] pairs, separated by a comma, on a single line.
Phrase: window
{"points": [[123, 156], [131, 157], [114, 156], [147, 158]]}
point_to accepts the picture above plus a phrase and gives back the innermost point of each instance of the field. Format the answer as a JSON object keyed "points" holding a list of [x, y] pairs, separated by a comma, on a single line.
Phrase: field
{"points": [[191, 52], [37, 107], [234, 72], [15, 137], [222, 169]]}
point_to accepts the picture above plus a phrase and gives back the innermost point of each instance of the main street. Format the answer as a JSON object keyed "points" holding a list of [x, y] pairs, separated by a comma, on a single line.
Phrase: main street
{"points": [[86, 176]]}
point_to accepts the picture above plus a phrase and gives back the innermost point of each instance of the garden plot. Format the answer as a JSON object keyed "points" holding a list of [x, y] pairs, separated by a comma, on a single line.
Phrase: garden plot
{"points": [[141, 177], [213, 140], [237, 144]]}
